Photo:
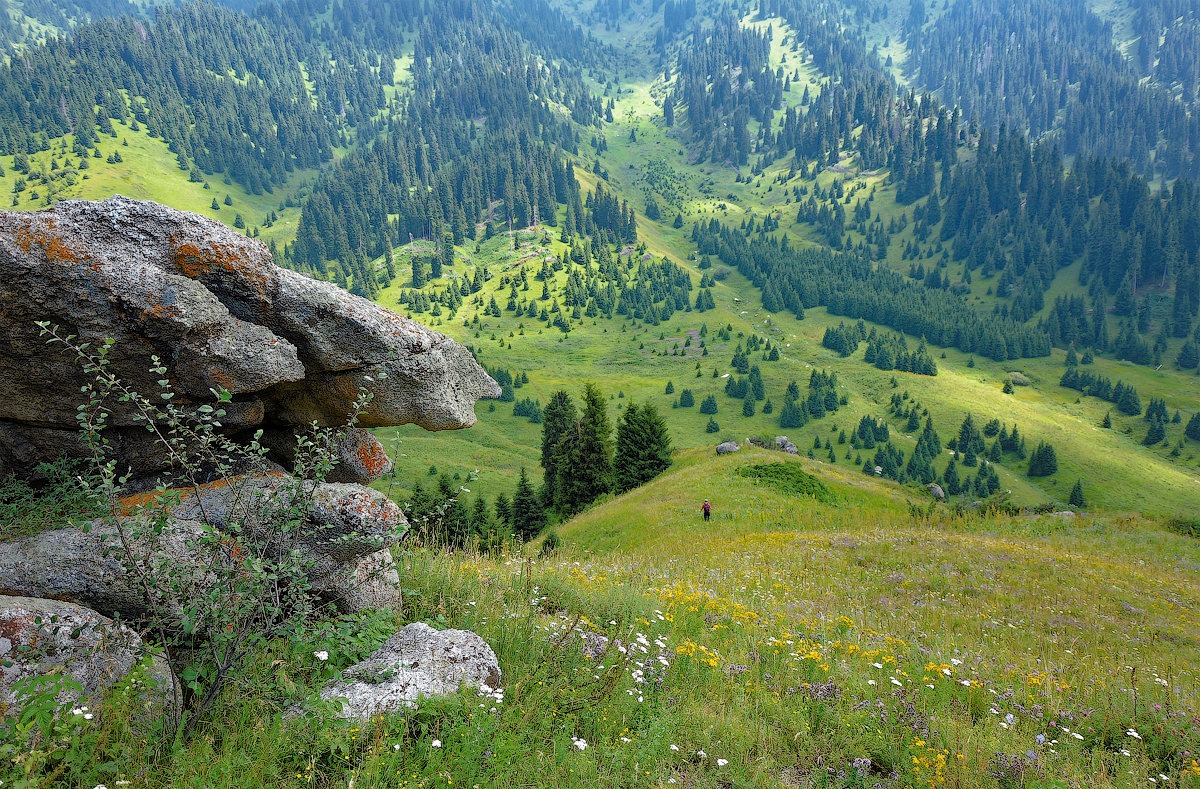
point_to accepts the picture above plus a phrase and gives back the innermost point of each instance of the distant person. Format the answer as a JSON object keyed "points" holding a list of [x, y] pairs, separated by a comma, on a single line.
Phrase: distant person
{"points": [[706, 508]]}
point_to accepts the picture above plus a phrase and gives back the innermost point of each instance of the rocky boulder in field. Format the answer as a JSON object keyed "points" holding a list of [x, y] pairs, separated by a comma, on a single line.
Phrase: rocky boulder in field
{"points": [[417, 661], [344, 542]]}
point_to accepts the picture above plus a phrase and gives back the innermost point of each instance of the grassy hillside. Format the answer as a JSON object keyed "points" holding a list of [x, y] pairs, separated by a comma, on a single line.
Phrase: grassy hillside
{"points": [[148, 171], [629, 358], [645, 159], [827, 638]]}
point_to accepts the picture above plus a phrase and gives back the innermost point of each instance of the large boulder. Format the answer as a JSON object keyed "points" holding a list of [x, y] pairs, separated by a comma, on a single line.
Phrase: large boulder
{"points": [[344, 539], [219, 314], [417, 661], [49, 637], [728, 448]]}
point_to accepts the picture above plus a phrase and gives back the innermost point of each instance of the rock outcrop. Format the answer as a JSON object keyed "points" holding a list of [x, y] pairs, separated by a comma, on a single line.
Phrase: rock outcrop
{"points": [[219, 314], [41, 637], [193, 306], [417, 661]]}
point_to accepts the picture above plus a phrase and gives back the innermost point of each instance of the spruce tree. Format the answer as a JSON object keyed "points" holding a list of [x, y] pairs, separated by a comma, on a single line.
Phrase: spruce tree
{"points": [[558, 417], [1192, 430], [1155, 434], [1077, 500], [585, 454], [643, 447], [1044, 461], [528, 516]]}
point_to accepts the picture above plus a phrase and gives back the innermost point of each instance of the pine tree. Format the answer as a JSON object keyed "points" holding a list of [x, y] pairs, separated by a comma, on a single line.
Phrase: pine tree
{"points": [[1107, 423], [1077, 500], [748, 407], [1192, 430], [712, 426], [708, 405], [643, 447], [503, 507], [1155, 434], [1189, 356], [950, 479]]}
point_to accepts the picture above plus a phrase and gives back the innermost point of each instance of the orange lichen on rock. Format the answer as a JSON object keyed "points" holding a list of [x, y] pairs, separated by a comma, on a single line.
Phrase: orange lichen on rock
{"points": [[140, 501], [195, 263], [55, 249], [374, 460], [157, 310]]}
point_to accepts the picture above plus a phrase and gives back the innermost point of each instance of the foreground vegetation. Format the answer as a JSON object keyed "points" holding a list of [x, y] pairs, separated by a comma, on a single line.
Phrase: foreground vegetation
{"points": [[818, 632]]}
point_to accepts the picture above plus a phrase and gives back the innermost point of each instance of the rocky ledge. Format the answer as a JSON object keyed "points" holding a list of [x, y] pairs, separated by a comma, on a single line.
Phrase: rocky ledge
{"points": [[211, 304]]}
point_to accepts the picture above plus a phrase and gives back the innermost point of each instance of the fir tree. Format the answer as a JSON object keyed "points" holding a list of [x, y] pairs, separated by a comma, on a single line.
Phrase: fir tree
{"points": [[1044, 461], [1192, 430], [1156, 434], [558, 417]]}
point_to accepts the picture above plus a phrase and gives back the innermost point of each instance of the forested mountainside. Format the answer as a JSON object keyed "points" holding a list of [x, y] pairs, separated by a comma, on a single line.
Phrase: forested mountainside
{"points": [[385, 147]]}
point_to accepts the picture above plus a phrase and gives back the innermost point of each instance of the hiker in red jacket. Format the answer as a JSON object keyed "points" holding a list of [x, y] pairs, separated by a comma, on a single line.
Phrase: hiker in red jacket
{"points": [[706, 508]]}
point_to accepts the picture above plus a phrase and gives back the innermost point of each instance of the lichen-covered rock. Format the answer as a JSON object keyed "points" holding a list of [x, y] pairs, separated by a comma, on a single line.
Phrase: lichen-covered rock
{"points": [[344, 531], [728, 448], [213, 307], [42, 637], [417, 661]]}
